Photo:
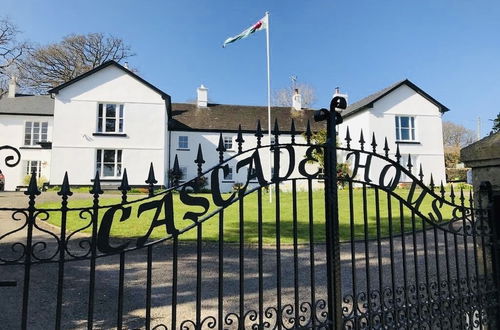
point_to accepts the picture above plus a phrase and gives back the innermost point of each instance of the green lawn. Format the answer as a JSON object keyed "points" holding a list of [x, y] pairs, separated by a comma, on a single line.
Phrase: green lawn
{"points": [[137, 227]]}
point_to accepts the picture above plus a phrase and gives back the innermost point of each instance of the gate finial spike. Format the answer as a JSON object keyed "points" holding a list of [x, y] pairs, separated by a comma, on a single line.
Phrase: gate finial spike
{"points": [[431, 184], [65, 190], [374, 143], [409, 164], [462, 197], [96, 188], [151, 180], [239, 140], [220, 148], [292, 131], [386, 148], [362, 141], [124, 186], [398, 154], [258, 134], [32, 187], [176, 172], [276, 132], [308, 132], [151, 175], [442, 190], [470, 198], [421, 173], [199, 156], [348, 138]]}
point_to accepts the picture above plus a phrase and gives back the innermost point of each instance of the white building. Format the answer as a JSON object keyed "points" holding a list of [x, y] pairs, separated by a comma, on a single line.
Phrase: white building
{"points": [[109, 119], [26, 123], [407, 116]]}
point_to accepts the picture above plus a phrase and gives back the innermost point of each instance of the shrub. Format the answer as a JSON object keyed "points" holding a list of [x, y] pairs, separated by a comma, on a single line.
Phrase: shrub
{"points": [[39, 181], [456, 174]]}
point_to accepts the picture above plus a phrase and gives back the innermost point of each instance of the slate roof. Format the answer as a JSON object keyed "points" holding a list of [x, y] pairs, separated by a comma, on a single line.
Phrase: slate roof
{"points": [[223, 117], [38, 105], [368, 101]]}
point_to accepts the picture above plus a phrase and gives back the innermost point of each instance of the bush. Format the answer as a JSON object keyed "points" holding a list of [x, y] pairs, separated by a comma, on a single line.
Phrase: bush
{"points": [[456, 174]]}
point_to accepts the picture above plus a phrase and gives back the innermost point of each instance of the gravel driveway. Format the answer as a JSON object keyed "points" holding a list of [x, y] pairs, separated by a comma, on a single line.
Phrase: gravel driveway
{"points": [[76, 280]]}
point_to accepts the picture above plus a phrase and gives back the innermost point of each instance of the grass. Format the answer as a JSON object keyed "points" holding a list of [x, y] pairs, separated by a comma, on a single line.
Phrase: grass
{"points": [[135, 227]]}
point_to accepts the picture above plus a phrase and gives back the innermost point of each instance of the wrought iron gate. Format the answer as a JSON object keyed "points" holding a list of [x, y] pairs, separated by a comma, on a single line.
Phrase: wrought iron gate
{"points": [[368, 255]]}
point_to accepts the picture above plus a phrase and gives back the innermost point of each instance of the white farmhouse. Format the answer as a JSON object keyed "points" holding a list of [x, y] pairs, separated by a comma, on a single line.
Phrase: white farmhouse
{"points": [[106, 120], [405, 115], [26, 123], [109, 119]]}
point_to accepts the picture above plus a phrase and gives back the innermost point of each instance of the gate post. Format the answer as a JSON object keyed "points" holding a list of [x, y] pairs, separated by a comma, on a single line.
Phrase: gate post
{"points": [[334, 289], [493, 207]]}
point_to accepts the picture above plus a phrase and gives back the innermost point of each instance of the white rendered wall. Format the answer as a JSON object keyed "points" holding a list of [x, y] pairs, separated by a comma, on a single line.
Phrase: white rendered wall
{"points": [[12, 133], [209, 142], [75, 122], [380, 119]]}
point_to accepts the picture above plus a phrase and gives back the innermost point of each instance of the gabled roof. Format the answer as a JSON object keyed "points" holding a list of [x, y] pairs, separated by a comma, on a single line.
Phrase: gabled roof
{"points": [[368, 101], [103, 66], [27, 105], [226, 118]]}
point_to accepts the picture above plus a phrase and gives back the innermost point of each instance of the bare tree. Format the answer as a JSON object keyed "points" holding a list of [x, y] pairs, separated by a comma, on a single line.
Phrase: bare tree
{"points": [[455, 135], [283, 97], [496, 124], [11, 50], [48, 66]]}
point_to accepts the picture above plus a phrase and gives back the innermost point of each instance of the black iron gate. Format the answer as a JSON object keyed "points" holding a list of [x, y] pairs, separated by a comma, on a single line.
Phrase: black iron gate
{"points": [[354, 251]]}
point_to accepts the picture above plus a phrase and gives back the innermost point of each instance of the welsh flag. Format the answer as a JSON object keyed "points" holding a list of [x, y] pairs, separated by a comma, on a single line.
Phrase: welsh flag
{"points": [[260, 25]]}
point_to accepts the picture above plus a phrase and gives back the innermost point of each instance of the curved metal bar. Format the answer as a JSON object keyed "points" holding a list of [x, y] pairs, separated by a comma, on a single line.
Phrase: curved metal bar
{"points": [[11, 161]]}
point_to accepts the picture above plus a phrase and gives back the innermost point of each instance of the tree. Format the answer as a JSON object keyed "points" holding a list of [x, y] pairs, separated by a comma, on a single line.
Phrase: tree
{"points": [[51, 65], [11, 50], [455, 135], [283, 97], [496, 124]]}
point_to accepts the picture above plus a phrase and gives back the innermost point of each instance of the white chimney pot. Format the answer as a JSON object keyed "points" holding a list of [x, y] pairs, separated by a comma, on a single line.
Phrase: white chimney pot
{"points": [[297, 100], [202, 97], [12, 87]]}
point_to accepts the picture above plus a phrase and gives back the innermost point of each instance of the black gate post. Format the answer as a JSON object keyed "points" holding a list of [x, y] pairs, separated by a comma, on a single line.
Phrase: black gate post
{"points": [[334, 293]]}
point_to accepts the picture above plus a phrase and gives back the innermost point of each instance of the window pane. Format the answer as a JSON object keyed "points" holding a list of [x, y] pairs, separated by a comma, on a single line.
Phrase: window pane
{"points": [[121, 111], [99, 125], [99, 112], [413, 134], [109, 156], [109, 170], [118, 170], [110, 125], [99, 153], [120, 127], [405, 134], [183, 142], [397, 122], [119, 154], [405, 122], [36, 126], [28, 126], [412, 122], [110, 110]]}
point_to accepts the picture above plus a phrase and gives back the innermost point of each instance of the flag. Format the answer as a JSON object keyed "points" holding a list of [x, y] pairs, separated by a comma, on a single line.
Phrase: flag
{"points": [[260, 25]]}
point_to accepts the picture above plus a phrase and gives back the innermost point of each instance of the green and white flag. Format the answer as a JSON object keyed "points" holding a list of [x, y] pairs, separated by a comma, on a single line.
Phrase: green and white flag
{"points": [[260, 25]]}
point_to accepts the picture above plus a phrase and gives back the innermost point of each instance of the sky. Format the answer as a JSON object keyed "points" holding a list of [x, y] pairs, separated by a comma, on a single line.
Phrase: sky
{"points": [[449, 48]]}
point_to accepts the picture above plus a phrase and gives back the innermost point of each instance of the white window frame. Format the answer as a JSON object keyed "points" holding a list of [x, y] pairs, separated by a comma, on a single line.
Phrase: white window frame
{"points": [[179, 147], [229, 177], [228, 142], [118, 118], [29, 164], [412, 131], [117, 163], [41, 136]]}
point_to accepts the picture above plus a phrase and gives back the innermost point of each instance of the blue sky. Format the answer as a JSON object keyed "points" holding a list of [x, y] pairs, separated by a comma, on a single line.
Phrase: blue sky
{"points": [[449, 48]]}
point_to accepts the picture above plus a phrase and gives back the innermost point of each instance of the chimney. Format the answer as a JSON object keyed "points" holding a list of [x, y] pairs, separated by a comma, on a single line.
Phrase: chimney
{"points": [[338, 93], [12, 87], [296, 100], [202, 100]]}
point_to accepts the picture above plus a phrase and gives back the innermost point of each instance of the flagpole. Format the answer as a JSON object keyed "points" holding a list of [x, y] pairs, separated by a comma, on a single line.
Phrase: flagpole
{"points": [[269, 102]]}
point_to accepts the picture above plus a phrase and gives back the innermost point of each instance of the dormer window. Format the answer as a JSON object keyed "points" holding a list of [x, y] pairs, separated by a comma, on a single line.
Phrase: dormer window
{"points": [[405, 128], [228, 143], [110, 118]]}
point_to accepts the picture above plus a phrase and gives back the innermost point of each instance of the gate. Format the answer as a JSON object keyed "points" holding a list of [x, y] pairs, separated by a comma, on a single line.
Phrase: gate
{"points": [[343, 249]]}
